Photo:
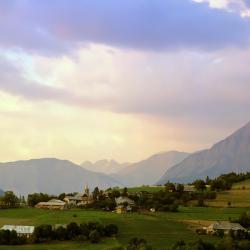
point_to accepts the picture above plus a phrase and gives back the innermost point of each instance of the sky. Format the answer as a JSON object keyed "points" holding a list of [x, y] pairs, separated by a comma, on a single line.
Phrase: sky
{"points": [[92, 79]]}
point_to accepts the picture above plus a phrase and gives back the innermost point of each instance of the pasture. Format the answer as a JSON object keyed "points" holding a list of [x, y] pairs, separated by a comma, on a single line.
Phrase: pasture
{"points": [[242, 185], [161, 230], [238, 196], [150, 189]]}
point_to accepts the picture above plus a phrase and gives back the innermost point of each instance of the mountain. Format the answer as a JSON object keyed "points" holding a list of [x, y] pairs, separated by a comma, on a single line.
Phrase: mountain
{"points": [[1, 192], [104, 166], [51, 176], [230, 154], [148, 171]]}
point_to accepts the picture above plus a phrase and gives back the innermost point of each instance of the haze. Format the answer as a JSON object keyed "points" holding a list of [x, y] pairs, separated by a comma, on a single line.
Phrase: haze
{"points": [[87, 80]]}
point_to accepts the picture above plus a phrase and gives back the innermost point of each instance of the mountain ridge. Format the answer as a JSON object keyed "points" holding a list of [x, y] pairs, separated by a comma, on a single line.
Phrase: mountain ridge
{"points": [[50, 175], [227, 155], [148, 171]]}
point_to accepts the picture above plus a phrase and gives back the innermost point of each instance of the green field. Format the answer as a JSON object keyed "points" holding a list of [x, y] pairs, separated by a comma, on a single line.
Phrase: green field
{"points": [[161, 230], [150, 189], [238, 196], [242, 185]]}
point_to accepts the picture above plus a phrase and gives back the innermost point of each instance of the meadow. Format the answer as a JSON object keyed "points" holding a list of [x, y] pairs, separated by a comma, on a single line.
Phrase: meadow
{"points": [[161, 230], [150, 189], [238, 196]]}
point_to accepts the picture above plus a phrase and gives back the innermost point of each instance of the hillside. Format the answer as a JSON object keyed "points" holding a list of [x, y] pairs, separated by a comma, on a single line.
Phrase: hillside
{"points": [[230, 154], [242, 185], [148, 171], [104, 166], [49, 175]]}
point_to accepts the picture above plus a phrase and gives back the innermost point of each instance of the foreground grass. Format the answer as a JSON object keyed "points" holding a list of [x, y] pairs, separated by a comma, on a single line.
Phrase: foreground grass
{"points": [[161, 230]]}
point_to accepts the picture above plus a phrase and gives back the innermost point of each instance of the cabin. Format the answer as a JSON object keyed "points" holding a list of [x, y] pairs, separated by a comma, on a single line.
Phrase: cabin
{"points": [[25, 231], [53, 204], [225, 227]]}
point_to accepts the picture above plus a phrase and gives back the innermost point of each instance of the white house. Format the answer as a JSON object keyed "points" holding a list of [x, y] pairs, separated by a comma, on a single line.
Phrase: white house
{"points": [[52, 204]]}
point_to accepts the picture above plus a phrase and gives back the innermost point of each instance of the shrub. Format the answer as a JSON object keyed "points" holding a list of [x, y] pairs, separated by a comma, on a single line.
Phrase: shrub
{"points": [[110, 230], [94, 236]]}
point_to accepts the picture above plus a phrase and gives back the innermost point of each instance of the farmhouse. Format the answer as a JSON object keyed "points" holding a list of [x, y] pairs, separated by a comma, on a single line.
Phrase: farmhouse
{"points": [[26, 231], [225, 227], [79, 199], [52, 204], [123, 205], [124, 200]]}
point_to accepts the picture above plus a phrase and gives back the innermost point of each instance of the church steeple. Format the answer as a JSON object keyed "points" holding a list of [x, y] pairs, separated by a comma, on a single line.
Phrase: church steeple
{"points": [[86, 190]]}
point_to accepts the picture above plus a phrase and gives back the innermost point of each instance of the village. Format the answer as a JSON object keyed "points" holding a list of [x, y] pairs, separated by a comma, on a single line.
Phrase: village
{"points": [[127, 202]]}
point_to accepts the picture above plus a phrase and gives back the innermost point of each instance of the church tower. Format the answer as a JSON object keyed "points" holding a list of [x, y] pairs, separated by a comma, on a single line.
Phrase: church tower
{"points": [[86, 190]]}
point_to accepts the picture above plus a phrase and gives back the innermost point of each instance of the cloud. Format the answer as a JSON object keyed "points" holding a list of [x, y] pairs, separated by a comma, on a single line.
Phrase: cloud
{"points": [[13, 81], [171, 85], [57, 27], [238, 6]]}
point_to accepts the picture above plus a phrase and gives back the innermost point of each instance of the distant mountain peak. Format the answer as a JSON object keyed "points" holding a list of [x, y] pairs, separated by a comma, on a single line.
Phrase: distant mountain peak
{"points": [[50, 175], [230, 154], [104, 166]]}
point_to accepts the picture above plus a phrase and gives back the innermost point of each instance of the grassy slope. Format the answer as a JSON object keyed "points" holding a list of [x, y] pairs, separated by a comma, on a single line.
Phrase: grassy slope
{"points": [[237, 196], [162, 230], [151, 189], [242, 184]]}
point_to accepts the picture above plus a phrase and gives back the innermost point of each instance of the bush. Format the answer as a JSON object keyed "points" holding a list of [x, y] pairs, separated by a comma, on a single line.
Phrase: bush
{"points": [[110, 230], [73, 230], [244, 219], [61, 233], [94, 236], [138, 244], [8, 237], [43, 233]]}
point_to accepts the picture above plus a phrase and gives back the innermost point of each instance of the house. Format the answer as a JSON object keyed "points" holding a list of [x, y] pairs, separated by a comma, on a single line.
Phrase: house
{"points": [[189, 189], [124, 204], [26, 231], [225, 227], [124, 200], [54, 204], [80, 199], [121, 209]]}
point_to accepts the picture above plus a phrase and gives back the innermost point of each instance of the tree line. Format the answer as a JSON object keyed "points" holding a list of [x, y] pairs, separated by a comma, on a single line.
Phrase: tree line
{"points": [[91, 231]]}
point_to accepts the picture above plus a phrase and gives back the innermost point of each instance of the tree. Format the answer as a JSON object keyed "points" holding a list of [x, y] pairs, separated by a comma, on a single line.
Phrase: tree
{"points": [[110, 230], [61, 196], [61, 233], [180, 245], [73, 230], [169, 187], [125, 192], [43, 233], [96, 193], [200, 185], [137, 244], [244, 219], [10, 199], [94, 236], [180, 188]]}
